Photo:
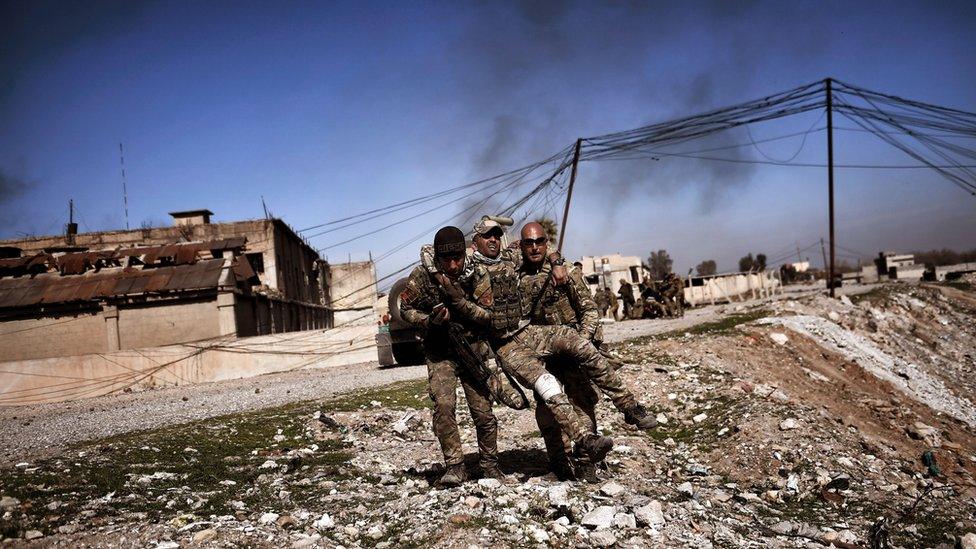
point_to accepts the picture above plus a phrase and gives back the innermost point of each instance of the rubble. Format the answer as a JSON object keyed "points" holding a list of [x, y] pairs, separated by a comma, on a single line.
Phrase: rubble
{"points": [[793, 444]]}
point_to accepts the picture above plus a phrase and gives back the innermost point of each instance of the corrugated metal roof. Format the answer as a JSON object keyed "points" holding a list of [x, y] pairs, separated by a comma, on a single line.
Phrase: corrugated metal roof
{"points": [[113, 282]]}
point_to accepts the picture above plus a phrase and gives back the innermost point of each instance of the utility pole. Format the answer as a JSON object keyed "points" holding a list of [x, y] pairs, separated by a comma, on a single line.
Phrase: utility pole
{"points": [[830, 179], [72, 228], [125, 194], [569, 193], [798, 258], [824, 253]]}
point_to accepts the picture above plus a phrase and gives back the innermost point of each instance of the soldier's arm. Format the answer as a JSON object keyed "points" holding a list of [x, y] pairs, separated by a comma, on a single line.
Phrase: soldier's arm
{"points": [[477, 307], [415, 306], [582, 302]]}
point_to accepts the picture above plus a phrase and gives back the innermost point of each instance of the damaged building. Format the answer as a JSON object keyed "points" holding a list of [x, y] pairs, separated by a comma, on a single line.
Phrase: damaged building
{"points": [[196, 280]]}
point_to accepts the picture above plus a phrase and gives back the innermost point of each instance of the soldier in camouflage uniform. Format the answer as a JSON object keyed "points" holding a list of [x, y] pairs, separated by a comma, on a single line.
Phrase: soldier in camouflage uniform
{"points": [[602, 302], [421, 304], [504, 308], [569, 305], [626, 293], [521, 348], [674, 292]]}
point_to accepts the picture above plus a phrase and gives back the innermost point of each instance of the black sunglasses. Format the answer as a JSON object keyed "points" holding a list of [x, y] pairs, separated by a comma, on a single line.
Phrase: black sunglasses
{"points": [[536, 241]]}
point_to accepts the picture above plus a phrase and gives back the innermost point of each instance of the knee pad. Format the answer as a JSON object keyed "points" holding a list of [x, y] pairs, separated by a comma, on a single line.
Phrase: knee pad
{"points": [[547, 386]]}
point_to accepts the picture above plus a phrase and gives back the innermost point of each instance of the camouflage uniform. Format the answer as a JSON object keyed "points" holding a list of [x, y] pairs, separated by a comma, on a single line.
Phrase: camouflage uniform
{"points": [[626, 293], [675, 293], [602, 302], [522, 348], [443, 372], [569, 305]]}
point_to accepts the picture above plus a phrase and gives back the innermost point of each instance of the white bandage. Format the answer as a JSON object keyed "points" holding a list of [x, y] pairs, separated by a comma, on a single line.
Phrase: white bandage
{"points": [[547, 386]]}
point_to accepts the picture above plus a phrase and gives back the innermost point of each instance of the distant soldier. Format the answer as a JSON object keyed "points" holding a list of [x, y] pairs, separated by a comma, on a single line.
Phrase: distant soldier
{"points": [[614, 304], [626, 293], [602, 301], [674, 293]]}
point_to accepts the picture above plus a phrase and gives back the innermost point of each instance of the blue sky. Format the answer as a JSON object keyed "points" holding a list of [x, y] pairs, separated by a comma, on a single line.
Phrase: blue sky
{"points": [[329, 109]]}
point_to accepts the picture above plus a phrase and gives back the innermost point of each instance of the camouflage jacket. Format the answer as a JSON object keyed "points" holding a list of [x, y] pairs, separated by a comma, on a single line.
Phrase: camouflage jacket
{"points": [[570, 304], [418, 299]]}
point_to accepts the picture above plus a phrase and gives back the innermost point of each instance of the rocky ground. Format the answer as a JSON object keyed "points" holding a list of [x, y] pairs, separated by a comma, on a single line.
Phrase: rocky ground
{"points": [[802, 422]]}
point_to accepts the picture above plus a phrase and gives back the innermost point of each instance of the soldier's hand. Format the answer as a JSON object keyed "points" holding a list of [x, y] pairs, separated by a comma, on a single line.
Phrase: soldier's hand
{"points": [[440, 316], [560, 275], [449, 287]]}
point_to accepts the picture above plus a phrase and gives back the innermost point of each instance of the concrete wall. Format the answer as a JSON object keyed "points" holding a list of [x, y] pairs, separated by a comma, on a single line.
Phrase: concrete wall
{"points": [[166, 324], [49, 336], [353, 287], [108, 328], [722, 288], [960, 268], [44, 380], [609, 274], [907, 272]]}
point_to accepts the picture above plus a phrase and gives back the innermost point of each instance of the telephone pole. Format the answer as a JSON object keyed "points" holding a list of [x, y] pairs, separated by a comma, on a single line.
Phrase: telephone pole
{"points": [[569, 193], [830, 180], [125, 194], [824, 253]]}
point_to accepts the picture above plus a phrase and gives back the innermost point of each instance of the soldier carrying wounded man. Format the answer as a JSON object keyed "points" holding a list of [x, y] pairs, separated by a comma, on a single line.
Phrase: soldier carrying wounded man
{"points": [[458, 282], [504, 310]]}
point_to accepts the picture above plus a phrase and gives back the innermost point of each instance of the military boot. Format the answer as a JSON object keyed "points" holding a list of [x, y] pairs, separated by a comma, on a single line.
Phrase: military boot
{"points": [[491, 470], [637, 415], [586, 471], [563, 469], [454, 476], [594, 447]]}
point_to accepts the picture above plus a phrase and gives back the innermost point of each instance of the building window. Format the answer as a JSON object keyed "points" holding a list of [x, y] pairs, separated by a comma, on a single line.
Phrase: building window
{"points": [[257, 262], [634, 277]]}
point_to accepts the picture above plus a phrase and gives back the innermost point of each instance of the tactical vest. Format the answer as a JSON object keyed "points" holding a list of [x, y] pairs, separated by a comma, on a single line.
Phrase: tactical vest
{"points": [[547, 303], [506, 310]]}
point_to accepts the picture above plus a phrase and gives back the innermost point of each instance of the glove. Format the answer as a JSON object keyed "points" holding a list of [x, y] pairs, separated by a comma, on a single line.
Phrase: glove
{"points": [[450, 288]]}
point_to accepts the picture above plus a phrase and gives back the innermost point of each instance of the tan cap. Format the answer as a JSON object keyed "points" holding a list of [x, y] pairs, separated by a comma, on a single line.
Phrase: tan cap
{"points": [[486, 224]]}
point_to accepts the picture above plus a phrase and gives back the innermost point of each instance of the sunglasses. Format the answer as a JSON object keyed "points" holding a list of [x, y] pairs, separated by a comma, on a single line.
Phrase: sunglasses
{"points": [[494, 233], [535, 241], [450, 257]]}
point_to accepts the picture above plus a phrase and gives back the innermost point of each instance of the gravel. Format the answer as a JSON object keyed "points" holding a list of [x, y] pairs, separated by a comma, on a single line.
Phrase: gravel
{"points": [[40, 430]]}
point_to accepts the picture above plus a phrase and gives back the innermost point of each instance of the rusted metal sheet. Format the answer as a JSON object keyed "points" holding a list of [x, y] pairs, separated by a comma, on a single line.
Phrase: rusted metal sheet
{"points": [[114, 282]]}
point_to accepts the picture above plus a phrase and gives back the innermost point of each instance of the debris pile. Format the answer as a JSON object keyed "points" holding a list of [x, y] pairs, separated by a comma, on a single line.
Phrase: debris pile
{"points": [[808, 423]]}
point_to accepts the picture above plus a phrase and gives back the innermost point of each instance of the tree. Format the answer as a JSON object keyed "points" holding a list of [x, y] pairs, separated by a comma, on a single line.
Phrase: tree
{"points": [[745, 263], [552, 231], [706, 268], [659, 264], [749, 263]]}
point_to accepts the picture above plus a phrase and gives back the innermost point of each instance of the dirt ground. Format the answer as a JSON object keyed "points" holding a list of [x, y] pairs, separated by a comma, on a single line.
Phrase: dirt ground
{"points": [[802, 421]]}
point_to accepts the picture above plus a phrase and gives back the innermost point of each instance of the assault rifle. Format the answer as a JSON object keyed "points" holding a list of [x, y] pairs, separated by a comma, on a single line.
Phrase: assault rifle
{"points": [[501, 386]]}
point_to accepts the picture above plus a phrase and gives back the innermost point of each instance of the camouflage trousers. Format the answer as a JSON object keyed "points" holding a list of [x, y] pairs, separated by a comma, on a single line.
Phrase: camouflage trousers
{"points": [[582, 396], [525, 352], [443, 375]]}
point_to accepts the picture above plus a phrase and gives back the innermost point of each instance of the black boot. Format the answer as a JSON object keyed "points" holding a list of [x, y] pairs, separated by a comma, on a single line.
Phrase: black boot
{"points": [[586, 471], [594, 447], [637, 415], [563, 469]]}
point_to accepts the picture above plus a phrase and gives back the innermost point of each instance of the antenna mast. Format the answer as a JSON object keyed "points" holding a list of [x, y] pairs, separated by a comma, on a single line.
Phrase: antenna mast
{"points": [[125, 194]]}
